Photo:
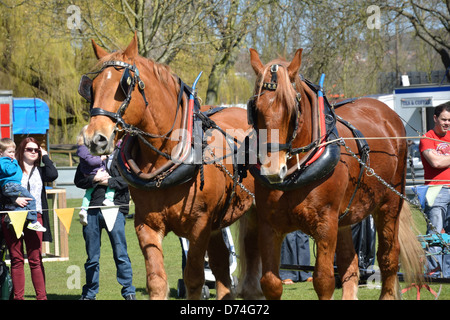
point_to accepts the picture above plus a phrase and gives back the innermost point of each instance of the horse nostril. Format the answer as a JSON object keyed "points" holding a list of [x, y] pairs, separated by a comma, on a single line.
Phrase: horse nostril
{"points": [[99, 144], [100, 140]]}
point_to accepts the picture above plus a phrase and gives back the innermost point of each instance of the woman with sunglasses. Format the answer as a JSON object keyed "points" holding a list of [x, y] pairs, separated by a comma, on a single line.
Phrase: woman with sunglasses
{"points": [[30, 156]]}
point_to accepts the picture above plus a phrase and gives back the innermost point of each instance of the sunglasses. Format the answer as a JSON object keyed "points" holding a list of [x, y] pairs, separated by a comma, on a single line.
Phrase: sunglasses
{"points": [[33, 150]]}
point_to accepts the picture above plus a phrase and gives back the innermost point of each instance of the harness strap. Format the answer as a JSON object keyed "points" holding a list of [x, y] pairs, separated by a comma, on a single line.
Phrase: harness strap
{"points": [[208, 123], [148, 144], [102, 112], [364, 150], [274, 70], [310, 149]]}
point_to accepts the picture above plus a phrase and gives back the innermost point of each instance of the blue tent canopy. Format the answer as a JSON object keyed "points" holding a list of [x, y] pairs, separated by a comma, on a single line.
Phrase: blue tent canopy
{"points": [[30, 116]]}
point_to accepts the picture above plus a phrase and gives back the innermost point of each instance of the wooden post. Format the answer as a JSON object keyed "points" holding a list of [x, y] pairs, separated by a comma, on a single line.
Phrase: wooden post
{"points": [[63, 236], [60, 235]]}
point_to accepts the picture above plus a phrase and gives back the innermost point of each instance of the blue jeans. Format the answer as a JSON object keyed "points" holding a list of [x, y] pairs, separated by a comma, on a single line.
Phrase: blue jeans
{"points": [[439, 216], [92, 233], [14, 190]]}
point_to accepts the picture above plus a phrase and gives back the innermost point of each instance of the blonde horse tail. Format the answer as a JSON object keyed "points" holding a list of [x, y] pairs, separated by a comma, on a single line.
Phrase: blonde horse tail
{"points": [[412, 255], [249, 266]]}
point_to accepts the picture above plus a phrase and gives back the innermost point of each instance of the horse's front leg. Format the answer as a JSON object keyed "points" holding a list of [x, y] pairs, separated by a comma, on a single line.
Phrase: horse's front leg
{"points": [[270, 246], [249, 257], [150, 242], [323, 279], [219, 261]]}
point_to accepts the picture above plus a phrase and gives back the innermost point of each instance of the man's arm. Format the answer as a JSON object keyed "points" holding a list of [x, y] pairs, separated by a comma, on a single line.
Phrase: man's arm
{"points": [[436, 160], [82, 181]]}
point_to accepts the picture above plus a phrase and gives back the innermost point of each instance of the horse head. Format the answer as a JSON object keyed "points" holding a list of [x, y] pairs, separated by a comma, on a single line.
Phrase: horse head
{"points": [[116, 95], [275, 112]]}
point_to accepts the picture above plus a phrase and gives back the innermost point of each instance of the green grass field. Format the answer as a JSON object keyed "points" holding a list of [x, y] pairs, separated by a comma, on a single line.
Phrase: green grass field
{"points": [[65, 278]]}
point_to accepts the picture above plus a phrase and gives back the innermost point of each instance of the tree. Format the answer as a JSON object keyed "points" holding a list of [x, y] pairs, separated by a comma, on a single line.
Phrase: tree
{"points": [[232, 22], [431, 22], [36, 62], [162, 26]]}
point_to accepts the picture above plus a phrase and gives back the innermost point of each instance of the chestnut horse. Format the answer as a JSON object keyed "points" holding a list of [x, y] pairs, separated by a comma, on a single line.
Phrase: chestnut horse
{"points": [[142, 99], [325, 204]]}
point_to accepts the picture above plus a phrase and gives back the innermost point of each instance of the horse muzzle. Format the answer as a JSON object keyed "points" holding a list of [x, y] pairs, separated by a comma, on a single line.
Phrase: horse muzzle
{"points": [[100, 144], [274, 176]]}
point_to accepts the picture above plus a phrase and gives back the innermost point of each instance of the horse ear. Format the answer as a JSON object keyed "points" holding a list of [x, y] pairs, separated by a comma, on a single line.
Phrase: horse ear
{"points": [[132, 50], [99, 51], [295, 64], [256, 62]]}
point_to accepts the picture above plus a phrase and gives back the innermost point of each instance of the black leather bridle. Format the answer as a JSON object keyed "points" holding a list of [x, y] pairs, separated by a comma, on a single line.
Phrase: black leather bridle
{"points": [[128, 83], [252, 115]]}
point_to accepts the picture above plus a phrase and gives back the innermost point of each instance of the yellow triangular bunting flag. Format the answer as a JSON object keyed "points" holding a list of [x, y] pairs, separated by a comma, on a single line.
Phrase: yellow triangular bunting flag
{"points": [[432, 193], [65, 215], [18, 220], [110, 215]]}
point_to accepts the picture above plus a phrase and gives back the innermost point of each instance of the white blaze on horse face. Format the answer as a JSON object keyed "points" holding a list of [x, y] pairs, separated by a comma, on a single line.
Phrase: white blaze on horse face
{"points": [[273, 164], [108, 75]]}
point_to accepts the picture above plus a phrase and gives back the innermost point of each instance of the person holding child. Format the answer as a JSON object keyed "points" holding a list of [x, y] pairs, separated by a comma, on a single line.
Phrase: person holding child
{"points": [[37, 169], [10, 182], [101, 182], [90, 165]]}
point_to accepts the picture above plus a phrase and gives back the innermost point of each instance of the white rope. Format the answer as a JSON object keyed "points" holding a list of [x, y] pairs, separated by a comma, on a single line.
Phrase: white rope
{"points": [[379, 138]]}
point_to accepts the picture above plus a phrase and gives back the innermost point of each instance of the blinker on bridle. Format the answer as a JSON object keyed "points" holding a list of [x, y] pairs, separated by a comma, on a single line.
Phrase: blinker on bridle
{"points": [[251, 110], [127, 85]]}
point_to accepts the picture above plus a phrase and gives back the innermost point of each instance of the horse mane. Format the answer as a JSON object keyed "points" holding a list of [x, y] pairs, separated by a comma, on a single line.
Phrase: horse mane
{"points": [[285, 92], [162, 72]]}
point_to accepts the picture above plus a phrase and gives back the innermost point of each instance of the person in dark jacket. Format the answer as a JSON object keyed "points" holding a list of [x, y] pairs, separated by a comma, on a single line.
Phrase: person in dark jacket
{"points": [[30, 156], [89, 165], [96, 222]]}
